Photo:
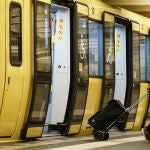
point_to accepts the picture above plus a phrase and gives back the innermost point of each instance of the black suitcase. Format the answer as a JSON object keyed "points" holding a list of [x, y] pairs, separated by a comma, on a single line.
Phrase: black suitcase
{"points": [[104, 119]]}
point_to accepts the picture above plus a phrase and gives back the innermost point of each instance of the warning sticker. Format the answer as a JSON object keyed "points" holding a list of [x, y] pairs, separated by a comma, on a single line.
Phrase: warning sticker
{"points": [[118, 43], [80, 67], [60, 29], [53, 39]]}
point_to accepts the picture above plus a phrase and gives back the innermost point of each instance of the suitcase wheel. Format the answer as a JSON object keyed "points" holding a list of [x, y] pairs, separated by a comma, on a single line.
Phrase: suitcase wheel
{"points": [[101, 136]]}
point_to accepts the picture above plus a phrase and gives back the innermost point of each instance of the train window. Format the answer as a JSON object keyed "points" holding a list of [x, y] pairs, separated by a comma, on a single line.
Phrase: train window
{"points": [[15, 35], [136, 69], [109, 45], [40, 105], [43, 39], [95, 48], [145, 57], [109, 56], [42, 62], [83, 74], [136, 56], [83, 47]]}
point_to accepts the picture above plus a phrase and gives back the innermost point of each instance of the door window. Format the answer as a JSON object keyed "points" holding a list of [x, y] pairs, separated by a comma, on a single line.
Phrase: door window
{"points": [[15, 35], [109, 62], [43, 37], [95, 48], [43, 62], [145, 58], [40, 105]]}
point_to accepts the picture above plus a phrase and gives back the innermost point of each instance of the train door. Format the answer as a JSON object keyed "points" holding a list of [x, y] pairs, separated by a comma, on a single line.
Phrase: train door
{"points": [[135, 71], [42, 70], [95, 73], [79, 71], [2, 50], [117, 59], [145, 78], [60, 64], [14, 67], [147, 72]]}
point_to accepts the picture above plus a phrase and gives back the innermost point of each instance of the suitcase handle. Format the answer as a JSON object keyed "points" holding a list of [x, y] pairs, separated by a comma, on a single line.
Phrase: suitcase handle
{"points": [[138, 100], [130, 108]]}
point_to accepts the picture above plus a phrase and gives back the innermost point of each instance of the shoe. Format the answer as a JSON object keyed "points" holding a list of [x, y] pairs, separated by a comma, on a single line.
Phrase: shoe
{"points": [[146, 133]]}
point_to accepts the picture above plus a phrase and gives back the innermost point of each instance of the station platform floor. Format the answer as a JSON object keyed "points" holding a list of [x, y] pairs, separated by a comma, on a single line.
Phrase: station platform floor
{"points": [[119, 140]]}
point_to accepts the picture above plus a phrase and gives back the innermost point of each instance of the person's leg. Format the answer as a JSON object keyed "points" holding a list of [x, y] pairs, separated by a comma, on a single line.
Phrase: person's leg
{"points": [[146, 132]]}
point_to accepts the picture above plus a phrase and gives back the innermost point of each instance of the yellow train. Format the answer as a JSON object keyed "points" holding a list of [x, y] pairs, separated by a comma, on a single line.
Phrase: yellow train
{"points": [[124, 71], [62, 60]]}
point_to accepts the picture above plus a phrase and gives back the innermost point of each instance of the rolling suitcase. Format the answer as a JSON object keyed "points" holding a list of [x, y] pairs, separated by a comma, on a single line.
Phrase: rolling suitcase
{"points": [[104, 119]]}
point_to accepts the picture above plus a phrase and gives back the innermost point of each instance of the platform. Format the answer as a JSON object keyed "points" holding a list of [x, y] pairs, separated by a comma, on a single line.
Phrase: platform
{"points": [[118, 141]]}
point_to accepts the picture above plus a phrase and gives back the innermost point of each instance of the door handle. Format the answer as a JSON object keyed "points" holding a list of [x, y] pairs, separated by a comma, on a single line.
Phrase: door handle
{"points": [[8, 80]]}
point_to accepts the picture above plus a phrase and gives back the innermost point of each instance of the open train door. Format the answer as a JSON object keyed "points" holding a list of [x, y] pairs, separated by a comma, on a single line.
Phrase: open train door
{"points": [[95, 73], [145, 66], [136, 73], [42, 70], [14, 75], [147, 47], [145, 79], [79, 71], [117, 60]]}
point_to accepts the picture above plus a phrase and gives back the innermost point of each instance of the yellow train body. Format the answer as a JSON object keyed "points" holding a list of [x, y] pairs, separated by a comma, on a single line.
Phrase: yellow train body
{"points": [[16, 83]]}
